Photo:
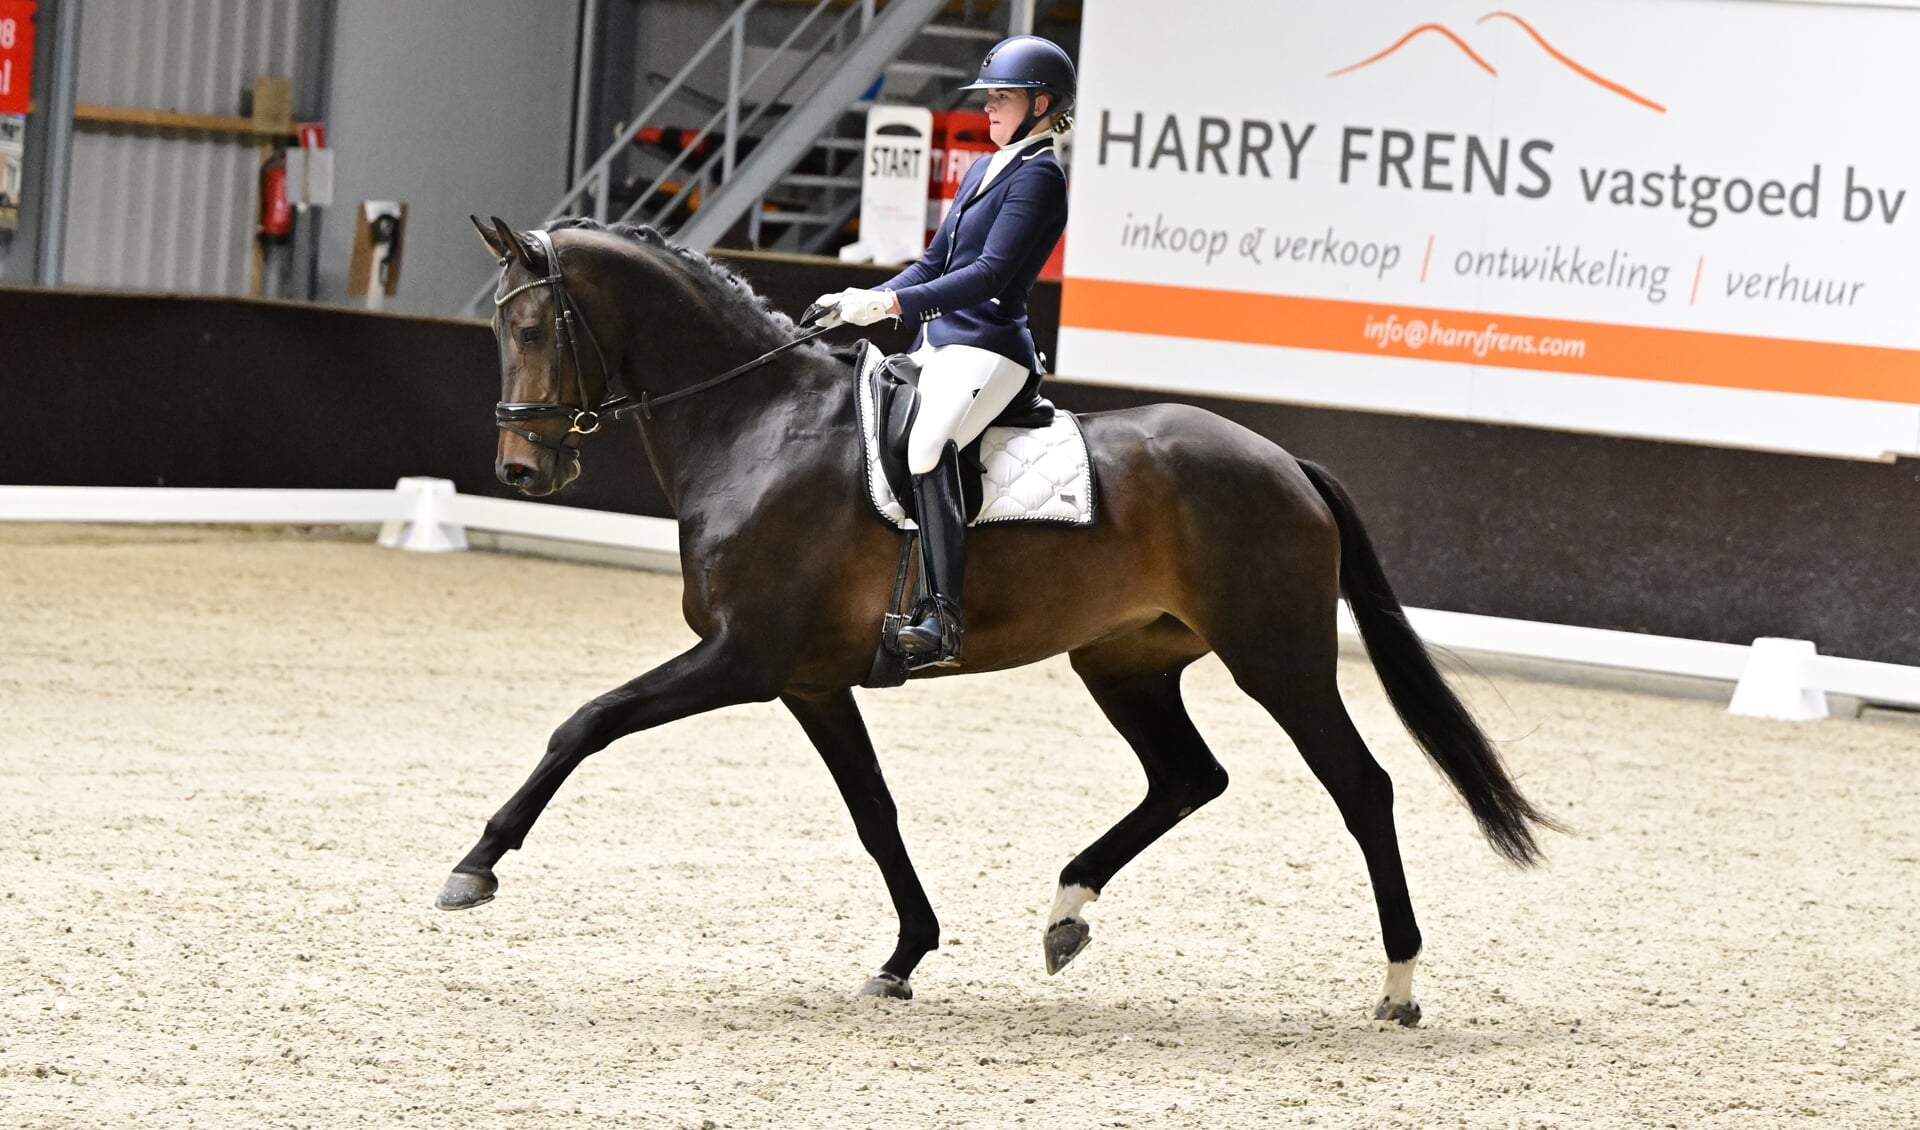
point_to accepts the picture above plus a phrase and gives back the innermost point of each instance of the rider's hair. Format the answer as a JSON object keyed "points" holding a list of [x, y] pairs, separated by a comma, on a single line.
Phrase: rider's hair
{"points": [[1060, 120]]}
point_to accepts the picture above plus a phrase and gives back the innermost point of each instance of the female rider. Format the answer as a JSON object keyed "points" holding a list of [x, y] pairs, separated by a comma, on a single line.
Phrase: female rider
{"points": [[969, 294]]}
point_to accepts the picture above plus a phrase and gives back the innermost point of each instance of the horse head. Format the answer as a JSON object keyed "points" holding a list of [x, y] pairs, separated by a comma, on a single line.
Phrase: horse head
{"points": [[567, 330], [560, 344]]}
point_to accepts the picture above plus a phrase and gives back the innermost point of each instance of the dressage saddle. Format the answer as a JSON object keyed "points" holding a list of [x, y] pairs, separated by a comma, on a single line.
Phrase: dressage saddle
{"points": [[896, 400]]}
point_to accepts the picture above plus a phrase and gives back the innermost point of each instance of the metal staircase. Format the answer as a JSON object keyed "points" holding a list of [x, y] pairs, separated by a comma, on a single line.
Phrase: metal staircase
{"points": [[761, 126], [807, 212], [776, 161]]}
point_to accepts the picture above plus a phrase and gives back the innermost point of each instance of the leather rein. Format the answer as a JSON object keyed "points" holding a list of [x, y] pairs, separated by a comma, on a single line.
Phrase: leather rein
{"points": [[569, 322]]}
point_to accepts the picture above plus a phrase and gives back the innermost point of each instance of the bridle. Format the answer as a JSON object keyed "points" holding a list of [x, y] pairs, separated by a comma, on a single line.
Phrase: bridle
{"points": [[569, 321], [581, 420]]}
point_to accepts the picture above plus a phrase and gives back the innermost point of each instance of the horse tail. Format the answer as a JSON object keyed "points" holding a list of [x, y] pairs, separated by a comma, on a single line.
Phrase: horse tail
{"points": [[1427, 707]]}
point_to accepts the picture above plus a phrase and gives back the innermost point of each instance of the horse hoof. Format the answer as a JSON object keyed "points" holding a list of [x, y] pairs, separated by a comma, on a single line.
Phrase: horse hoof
{"points": [[1065, 939], [884, 984], [464, 890], [1406, 1013]]}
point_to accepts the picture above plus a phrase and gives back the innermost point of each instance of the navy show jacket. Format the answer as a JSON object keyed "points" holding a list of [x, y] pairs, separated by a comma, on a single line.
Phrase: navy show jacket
{"points": [[971, 286]]}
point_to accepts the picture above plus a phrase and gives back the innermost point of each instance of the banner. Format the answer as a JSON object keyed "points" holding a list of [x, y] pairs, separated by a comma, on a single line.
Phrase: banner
{"points": [[16, 55], [1683, 219]]}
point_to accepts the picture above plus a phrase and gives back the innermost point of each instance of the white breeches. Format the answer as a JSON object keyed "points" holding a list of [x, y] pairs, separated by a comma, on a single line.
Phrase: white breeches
{"points": [[962, 388]]}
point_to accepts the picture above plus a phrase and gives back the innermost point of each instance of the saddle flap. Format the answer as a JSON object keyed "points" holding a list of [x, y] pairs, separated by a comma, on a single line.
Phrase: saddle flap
{"points": [[896, 398]]}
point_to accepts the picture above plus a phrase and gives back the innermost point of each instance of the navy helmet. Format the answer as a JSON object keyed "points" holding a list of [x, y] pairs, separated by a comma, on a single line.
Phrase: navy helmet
{"points": [[1029, 63]]}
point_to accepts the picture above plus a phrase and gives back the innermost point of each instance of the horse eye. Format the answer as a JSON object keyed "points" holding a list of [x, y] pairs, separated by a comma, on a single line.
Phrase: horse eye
{"points": [[529, 335]]}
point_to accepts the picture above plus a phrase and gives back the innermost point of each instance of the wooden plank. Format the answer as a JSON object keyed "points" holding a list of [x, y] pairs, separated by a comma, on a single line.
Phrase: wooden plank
{"points": [[142, 117], [160, 119]]}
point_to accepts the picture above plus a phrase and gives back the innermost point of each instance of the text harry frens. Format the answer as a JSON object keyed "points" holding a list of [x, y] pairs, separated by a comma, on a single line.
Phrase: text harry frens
{"points": [[1467, 163]]}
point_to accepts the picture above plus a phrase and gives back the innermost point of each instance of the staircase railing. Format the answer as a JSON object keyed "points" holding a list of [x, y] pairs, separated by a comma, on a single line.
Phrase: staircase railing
{"points": [[592, 189], [858, 54], [702, 177]]}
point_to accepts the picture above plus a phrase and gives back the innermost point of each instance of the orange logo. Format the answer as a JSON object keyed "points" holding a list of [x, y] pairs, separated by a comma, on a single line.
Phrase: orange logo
{"points": [[1557, 55]]}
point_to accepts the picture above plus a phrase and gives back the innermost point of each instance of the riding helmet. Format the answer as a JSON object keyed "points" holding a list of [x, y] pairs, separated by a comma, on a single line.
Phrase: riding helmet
{"points": [[1031, 63]]}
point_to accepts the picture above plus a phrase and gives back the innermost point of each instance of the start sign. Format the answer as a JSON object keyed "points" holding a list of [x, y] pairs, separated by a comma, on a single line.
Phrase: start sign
{"points": [[893, 184], [16, 55]]}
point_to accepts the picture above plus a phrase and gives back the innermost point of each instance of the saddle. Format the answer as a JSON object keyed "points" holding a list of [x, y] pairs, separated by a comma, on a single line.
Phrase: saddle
{"points": [[895, 384], [1031, 464]]}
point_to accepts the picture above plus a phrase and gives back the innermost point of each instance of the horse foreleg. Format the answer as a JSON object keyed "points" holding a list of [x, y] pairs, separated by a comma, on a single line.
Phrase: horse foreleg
{"points": [[1182, 775], [706, 677], [832, 721]]}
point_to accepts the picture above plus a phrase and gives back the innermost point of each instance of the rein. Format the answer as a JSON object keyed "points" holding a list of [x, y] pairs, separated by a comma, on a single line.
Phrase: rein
{"points": [[582, 420]]}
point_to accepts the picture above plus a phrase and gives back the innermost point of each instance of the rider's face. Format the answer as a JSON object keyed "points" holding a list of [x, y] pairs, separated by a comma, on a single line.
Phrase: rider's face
{"points": [[1006, 109]]}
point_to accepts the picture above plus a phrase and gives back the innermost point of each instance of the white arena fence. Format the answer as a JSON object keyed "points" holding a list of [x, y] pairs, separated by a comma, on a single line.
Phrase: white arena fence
{"points": [[1773, 678]]}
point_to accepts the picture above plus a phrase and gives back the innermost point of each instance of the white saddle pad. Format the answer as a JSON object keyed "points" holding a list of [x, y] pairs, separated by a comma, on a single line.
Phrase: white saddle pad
{"points": [[1033, 474]]}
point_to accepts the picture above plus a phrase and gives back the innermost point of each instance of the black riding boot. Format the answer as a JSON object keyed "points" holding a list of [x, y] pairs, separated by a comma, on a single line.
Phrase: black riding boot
{"points": [[935, 637]]}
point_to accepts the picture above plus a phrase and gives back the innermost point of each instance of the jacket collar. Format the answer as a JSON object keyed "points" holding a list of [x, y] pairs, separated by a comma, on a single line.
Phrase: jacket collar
{"points": [[965, 194], [1031, 140]]}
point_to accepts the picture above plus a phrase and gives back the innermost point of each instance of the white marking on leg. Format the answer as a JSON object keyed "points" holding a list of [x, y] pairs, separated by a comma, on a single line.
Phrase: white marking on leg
{"points": [[1068, 902], [1399, 988]]}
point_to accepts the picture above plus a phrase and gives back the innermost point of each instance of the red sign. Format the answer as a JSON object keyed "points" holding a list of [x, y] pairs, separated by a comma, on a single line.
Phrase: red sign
{"points": [[16, 55], [959, 139]]}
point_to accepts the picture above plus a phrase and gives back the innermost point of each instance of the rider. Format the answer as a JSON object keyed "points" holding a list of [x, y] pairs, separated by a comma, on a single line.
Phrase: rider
{"points": [[969, 294]]}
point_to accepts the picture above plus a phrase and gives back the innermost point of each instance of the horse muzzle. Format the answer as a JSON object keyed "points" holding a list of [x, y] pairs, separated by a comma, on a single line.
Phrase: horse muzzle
{"points": [[537, 474]]}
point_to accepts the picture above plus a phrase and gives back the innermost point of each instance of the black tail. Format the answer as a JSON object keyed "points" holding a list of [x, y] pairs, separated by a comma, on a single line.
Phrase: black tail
{"points": [[1429, 709]]}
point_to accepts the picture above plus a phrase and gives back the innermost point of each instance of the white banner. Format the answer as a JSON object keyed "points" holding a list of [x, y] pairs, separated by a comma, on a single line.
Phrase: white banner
{"points": [[1689, 219]]}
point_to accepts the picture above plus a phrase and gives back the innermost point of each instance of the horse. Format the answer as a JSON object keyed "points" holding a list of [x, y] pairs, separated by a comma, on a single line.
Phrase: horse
{"points": [[1211, 539]]}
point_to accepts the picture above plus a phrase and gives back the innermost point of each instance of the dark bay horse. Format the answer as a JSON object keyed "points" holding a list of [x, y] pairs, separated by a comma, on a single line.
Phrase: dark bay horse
{"points": [[1210, 539]]}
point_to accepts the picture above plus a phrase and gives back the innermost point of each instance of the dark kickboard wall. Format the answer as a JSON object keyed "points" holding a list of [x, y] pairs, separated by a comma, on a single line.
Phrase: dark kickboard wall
{"points": [[1673, 539]]}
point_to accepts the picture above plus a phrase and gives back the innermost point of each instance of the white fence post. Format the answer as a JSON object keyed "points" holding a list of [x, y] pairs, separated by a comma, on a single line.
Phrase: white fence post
{"points": [[1778, 682], [426, 528]]}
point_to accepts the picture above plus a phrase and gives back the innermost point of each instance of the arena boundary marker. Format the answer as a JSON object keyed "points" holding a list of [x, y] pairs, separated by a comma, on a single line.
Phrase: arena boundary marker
{"points": [[1773, 678]]}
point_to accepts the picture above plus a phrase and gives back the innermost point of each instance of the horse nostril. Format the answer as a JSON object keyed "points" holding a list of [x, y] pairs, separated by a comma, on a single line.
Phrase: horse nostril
{"points": [[516, 474]]}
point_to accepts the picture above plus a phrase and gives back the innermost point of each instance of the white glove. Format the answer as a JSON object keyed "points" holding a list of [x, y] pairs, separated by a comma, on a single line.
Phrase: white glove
{"points": [[828, 306], [865, 307]]}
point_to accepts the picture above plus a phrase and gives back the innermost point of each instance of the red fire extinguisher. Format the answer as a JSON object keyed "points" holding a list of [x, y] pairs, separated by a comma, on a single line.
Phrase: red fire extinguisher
{"points": [[276, 212]]}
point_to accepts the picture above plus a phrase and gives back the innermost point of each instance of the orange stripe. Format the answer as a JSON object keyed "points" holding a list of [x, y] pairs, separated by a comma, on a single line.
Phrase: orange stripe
{"points": [[1856, 372]]}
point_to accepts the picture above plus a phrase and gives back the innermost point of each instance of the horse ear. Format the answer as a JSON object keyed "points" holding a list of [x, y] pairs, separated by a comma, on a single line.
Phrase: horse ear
{"points": [[522, 248], [488, 237]]}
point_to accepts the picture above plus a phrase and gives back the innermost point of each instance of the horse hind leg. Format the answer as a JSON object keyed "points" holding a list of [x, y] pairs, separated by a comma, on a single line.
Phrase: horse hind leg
{"points": [[1288, 665], [1135, 680]]}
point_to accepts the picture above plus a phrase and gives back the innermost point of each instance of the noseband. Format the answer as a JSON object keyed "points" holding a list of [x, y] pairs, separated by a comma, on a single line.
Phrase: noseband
{"points": [[569, 321]]}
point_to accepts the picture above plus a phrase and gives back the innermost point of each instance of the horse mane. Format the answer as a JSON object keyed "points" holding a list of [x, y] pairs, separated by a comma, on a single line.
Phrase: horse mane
{"points": [[732, 290]]}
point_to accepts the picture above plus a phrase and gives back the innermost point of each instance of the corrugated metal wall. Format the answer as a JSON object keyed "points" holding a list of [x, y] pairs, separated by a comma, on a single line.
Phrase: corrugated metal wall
{"points": [[174, 210]]}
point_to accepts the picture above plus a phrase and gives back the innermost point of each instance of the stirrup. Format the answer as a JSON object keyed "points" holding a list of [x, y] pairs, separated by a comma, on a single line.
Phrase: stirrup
{"points": [[916, 641], [939, 619]]}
